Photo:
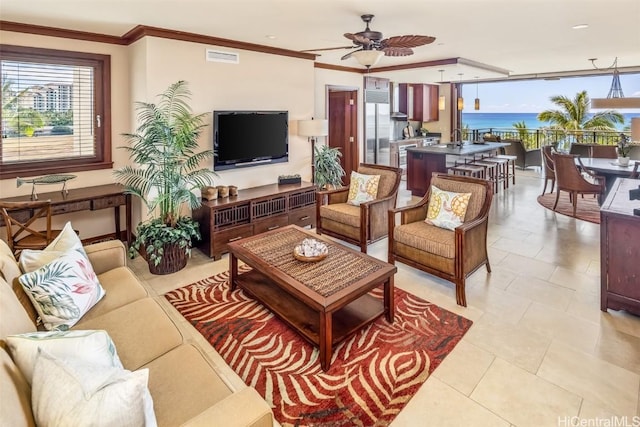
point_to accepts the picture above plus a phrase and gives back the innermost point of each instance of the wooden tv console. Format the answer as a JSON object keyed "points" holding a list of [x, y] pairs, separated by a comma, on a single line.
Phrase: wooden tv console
{"points": [[253, 211]]}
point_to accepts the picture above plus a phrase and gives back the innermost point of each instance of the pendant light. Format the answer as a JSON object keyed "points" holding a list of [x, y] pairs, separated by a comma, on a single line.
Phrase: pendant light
{"points": [[441, 98], [460, 99], [615, 99], [476, 103]]}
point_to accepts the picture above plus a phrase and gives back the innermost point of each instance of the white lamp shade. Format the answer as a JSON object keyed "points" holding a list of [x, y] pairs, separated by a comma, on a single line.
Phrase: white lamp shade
{"points": [[313, 127], [635, 130], [368, 57]]}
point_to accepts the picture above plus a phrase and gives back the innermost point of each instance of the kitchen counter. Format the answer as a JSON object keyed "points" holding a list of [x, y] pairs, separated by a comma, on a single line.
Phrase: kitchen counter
{"points": [[422, 162]]}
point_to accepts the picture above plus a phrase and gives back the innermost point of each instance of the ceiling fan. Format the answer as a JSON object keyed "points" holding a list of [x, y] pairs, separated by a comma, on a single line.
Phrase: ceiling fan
{"points": [[368, 40]]}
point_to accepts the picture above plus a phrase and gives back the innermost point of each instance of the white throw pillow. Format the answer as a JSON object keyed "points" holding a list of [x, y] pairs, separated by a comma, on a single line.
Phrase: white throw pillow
{"points": [[362, 188], [63, 290], [66, 241], [94, 347], [446, 208], [72, 393]]}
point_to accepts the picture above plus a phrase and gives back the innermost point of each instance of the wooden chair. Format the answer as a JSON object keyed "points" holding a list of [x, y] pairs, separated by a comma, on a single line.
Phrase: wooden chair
{"points": [[549, 171], [580, 150], [364, 224], [569, 178], [19, 220], [451, 255], [604, 152]]}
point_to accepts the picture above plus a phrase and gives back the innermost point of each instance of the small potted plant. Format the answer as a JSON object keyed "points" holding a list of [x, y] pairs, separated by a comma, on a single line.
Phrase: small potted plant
{"points": [[168, 176], [327, 168], [624, 148]]}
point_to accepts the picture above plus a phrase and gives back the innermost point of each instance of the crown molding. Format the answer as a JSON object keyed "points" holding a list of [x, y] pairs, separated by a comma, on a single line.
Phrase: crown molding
{"points": [[339, 68], [141, 31], [41, 30]]}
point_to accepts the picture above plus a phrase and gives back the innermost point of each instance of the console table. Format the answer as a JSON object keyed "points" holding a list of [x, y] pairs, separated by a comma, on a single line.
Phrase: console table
{"points": [[83, 199], [253, 211], [620, 249]]}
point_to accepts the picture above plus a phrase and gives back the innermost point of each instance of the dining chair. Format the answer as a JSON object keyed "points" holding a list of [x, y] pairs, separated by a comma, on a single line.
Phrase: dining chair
{"points": [[570, 179], [604, 152], [20, 223], [549, 171], [635, 173]]}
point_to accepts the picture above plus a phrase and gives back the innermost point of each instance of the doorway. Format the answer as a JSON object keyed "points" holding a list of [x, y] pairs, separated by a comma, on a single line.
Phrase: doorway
{"points": [[342, 104]]}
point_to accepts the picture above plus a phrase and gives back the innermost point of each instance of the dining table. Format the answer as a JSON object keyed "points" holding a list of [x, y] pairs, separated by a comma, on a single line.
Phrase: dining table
{"points": [[610, 169]]}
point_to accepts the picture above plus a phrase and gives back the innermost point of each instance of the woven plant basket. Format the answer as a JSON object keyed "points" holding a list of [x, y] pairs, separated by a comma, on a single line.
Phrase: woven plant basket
{"points": [[174, 259]]}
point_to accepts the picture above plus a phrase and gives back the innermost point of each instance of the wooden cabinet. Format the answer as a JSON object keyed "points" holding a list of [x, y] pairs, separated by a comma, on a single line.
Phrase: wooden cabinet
{"points": [[254, 211], [419, 101], [620, 249]]}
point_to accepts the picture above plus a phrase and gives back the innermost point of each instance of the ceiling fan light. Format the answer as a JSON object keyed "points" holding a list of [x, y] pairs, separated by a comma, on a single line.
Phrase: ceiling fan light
{"points": [[368, 58]]}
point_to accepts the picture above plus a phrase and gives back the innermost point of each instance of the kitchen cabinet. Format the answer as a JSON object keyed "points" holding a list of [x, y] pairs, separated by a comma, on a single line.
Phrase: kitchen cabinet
{"points": [[419, 101], [376, 83]]}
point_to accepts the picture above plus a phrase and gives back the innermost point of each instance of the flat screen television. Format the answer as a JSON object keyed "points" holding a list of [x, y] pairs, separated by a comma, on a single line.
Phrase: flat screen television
{"points": [[250, 138]]}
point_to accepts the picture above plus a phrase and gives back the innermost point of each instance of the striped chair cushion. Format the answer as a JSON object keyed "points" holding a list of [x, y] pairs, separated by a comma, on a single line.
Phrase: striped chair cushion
{"points": [[426, 237], [342, 213]]}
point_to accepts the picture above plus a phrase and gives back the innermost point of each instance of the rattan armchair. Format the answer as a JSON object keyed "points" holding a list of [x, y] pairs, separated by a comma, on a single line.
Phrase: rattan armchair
{"points": [[570, 179], [364, 224], [451, 255]]}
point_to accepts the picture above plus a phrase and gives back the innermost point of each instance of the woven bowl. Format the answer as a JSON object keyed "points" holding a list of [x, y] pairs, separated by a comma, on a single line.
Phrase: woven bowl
{"points": [[309, 258]]}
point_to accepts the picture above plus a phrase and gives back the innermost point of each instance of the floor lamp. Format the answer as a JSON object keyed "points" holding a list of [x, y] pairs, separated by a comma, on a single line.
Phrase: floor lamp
{"points": [[313, 129]]}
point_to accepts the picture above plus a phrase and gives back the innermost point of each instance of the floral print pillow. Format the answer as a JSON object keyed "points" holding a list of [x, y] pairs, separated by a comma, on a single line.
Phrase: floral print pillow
{"points": [[363, 188], [447, 209], [63, 290]]}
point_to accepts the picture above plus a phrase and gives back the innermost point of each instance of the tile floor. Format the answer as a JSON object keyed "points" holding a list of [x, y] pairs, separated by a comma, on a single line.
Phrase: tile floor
{"points": [[540, 351]]}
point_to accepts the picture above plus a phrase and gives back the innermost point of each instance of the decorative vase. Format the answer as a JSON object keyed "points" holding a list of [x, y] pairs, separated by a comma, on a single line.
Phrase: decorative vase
{"points": [[623, 161], [173, 259]]}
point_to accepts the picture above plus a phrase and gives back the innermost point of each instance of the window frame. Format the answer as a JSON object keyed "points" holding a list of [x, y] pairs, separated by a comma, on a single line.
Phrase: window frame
{"points": [[101, 65]]}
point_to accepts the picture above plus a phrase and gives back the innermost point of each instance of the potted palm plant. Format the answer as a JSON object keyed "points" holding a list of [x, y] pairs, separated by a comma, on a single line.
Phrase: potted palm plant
{"points": [[165, 150], [327, 168]]}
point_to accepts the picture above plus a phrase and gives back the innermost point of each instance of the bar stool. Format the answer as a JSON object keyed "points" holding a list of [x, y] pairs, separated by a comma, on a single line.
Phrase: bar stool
{"points": [[511, 167], [469, 170], [502, 169], [491, 171]]}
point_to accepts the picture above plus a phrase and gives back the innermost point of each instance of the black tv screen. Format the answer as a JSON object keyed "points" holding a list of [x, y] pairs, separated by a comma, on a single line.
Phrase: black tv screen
{"points": [[250, 138]]}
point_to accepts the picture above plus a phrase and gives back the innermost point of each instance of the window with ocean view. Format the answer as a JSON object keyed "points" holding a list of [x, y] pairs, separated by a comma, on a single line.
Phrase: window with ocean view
{"points": [[511, 109]]}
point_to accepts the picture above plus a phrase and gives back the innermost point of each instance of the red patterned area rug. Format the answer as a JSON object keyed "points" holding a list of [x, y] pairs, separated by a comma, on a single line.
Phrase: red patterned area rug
{"points": [[587, 208], [372, 376]]}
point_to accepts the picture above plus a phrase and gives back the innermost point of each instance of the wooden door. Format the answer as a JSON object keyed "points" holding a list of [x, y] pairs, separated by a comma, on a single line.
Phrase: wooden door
{"points": [[343, 127]]}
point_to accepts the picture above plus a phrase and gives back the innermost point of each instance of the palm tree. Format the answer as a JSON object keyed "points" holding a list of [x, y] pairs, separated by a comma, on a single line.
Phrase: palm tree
{"points": [[572, 116]]}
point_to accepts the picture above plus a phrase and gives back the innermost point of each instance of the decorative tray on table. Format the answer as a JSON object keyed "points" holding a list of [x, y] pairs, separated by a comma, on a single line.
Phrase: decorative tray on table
{"points": [[310, 250]]}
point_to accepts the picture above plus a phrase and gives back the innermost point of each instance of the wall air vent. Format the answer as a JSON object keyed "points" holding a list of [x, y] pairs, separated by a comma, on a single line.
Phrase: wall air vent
{"points": [[220, 56]]}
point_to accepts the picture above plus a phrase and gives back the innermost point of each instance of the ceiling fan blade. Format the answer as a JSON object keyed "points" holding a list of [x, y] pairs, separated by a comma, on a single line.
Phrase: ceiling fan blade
{"points": [[358, 39], [406, 41], [328, 48], [348, 55], [397, 51]]}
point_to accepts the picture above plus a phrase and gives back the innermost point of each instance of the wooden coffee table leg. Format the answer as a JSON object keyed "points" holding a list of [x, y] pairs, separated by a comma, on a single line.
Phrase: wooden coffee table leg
{"points": [[233, 270], [325, 340], [389, 304]]}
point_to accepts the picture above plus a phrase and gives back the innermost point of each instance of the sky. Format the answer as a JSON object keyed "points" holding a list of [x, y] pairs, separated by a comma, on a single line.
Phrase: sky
{"points": [[532, 96]]}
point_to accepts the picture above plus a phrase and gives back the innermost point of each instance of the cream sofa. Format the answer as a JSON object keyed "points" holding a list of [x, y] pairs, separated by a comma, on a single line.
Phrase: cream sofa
{"points": [[186, 388]]}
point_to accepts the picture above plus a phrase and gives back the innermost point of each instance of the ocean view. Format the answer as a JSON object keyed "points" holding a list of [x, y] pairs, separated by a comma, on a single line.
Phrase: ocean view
{"points": [[506, 120]]}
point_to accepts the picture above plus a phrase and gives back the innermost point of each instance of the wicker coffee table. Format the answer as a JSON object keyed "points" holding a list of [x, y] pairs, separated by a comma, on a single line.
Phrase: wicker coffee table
{"points": [[324, 301]]}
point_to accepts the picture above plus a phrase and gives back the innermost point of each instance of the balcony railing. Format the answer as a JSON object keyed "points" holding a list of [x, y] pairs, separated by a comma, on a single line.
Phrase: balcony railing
{"points": [[535, 138]]}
